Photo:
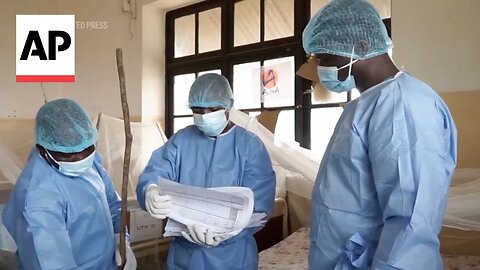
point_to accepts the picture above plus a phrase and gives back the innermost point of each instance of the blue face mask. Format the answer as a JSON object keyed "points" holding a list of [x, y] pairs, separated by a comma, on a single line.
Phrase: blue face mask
{"points": [[211, 124], [76, 168], [329, 78]]}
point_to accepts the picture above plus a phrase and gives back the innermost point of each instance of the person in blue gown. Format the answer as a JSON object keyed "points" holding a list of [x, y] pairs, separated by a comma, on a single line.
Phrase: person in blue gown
{"points": [[64, 212], [381, 191], [213, 152]]}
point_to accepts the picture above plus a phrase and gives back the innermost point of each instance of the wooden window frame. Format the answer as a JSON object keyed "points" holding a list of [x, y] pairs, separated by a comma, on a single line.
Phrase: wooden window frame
{"points": [[229, 55]]}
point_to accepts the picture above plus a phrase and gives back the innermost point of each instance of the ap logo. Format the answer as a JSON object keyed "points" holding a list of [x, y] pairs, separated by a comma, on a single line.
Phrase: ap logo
{"points": [[45, 48]]}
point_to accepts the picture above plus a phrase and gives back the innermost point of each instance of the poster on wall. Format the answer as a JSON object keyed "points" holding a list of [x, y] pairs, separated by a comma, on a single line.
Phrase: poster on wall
{"points": [[277, 84]]}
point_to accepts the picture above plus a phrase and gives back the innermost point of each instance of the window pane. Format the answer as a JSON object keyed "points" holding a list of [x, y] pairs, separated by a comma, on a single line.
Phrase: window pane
{"points": [[320, 95], [185, 36], [254, 114], [181, 88], [355, 93], [323, 123], [278, 82], [246, 22], [278, 19], [383, 7], [285, 129], [216, 71], [246, 85], [209, 30], [181, 122], [316, 5]]}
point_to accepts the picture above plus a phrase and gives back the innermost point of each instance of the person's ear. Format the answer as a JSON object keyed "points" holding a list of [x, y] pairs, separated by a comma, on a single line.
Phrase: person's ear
{"points": [[40, 149]]}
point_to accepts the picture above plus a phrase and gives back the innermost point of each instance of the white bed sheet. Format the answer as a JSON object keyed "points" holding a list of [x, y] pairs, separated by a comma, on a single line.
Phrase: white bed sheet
{"points": [[292, 254]]}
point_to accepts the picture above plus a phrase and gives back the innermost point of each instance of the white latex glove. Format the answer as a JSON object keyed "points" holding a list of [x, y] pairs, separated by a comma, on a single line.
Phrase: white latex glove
{"points": [[197, 236], [130, 261], [157, 205]]}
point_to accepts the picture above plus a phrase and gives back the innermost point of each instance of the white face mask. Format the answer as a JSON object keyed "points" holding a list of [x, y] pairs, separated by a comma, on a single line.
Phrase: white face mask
{"points": [[75, 168], [329, 77], [211, 124]]}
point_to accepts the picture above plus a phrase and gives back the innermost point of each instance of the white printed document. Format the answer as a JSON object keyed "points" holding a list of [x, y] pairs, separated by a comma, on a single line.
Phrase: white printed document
{"points": [[225, 211]]}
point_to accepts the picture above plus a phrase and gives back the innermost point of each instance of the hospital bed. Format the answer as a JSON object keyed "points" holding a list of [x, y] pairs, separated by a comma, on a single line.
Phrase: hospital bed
{"points": [[292, 254], [460, 236]]}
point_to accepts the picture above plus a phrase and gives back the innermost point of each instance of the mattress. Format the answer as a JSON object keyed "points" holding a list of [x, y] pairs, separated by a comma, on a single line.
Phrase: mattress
{"points": [[292, 253]]}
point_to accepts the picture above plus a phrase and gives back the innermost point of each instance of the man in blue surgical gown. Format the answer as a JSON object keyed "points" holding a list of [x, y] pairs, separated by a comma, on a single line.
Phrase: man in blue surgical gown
{"points": [[381, 190], [212, 153], [63, 212]]}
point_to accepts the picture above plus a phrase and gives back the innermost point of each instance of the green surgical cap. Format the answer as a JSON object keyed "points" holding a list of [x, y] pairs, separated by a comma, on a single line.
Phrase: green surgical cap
{"points": [[62, 125], [346, 25], [210, 90]]}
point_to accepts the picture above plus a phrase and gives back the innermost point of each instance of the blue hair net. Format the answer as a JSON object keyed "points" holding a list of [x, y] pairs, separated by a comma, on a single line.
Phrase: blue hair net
{"points": [[210, 90], [346, 25], [62, 125]]}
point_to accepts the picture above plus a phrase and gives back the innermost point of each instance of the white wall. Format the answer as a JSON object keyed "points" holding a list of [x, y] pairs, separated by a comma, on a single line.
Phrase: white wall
{"points": [[438, 41], [96, 85], [153, 57]]}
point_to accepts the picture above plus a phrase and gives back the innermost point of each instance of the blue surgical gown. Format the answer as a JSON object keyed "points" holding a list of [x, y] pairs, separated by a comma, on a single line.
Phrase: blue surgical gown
{"points": [[380, 195], [61, 222], [236, 158]]}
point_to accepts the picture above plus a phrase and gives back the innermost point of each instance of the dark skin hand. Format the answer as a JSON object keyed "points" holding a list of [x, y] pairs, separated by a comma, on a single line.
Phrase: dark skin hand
{"points": [[367, 73], [200, 110], [65, 157]]}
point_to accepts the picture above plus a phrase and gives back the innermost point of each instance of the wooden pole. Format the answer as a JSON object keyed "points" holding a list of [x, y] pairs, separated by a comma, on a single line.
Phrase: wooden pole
{"points": [[128, 147]]}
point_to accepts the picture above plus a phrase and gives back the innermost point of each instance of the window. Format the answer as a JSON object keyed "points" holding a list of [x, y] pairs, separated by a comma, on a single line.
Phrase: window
{"points": [[181, 88], [323, 123], [184, 43], [246, 83], [246, 22], [254, 43], [257, 46], [278, 19], [285, 128], [209, 30]]}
